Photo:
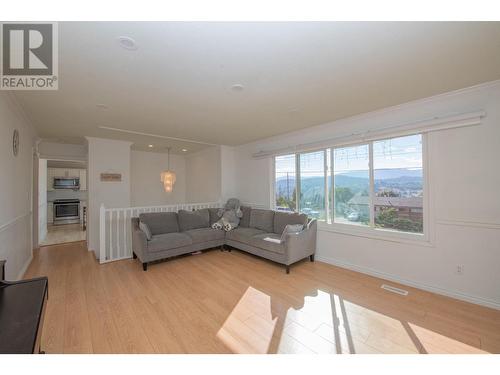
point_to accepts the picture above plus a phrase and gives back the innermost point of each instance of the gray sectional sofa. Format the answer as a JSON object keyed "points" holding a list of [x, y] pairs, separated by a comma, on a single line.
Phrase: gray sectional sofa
{"points": [[163, 235]]}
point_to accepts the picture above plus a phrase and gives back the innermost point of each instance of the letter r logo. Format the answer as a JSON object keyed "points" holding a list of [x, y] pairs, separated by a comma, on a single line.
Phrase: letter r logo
{"points": [[27, 49]]}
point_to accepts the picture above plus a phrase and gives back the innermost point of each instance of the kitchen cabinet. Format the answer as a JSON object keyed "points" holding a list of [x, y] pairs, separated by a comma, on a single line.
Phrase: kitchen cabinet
{"points": [[83, 179], [50, 179]]}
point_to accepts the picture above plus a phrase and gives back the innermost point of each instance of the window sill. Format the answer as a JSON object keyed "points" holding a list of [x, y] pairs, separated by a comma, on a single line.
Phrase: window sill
{"points": [[376, 234]]}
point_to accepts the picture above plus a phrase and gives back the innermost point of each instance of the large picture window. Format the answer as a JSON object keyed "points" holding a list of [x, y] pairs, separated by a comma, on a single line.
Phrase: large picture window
{"points": [[377, 185]]}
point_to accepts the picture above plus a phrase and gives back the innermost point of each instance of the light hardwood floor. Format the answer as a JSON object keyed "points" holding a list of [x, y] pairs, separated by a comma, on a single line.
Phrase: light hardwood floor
{"points": [[232, 302]]}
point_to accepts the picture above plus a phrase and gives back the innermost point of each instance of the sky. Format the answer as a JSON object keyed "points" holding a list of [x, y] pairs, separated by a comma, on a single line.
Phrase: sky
{"points": [[402, 152]]}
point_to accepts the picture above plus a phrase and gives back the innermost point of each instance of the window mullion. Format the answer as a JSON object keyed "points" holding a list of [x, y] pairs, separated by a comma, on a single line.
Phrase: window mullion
{"points": [[325, 175], [372, 185], [332, 188], [297, 182]]}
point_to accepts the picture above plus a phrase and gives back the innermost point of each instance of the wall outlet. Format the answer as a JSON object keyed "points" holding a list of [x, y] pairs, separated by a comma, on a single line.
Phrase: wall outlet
{"points": [[459, 270]]}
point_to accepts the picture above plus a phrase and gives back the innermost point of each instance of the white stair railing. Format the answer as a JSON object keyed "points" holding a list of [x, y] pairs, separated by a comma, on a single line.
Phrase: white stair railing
{"points": [[115, 234]]}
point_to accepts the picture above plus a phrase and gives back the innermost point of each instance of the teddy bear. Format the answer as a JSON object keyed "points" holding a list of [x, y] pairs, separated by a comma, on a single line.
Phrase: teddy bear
{"points": [[229, 215]]}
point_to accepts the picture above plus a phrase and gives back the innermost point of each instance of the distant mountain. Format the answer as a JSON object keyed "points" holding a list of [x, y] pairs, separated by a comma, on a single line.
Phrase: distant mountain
{"points": [[385, 173], [382, 174], [400, 179]]}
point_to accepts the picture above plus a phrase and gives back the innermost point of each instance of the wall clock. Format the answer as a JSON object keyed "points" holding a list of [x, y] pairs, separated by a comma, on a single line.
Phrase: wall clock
{"points": [[15, 142]]}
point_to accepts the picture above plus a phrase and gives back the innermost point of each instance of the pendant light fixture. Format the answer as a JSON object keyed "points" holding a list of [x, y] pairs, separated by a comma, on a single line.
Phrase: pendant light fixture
{"points": [[168, 177]]}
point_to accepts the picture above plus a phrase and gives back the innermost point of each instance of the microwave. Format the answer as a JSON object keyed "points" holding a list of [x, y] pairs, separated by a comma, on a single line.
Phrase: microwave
{"points": [[67, 183]]}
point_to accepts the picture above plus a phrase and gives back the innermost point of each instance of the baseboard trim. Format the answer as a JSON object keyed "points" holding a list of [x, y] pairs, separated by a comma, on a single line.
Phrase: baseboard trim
{"points": [[448, 293], [23, 270]]}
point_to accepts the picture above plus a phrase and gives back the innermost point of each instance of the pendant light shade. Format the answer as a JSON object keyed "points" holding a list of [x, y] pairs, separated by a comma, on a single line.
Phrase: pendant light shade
{"points": [[168, 177]]}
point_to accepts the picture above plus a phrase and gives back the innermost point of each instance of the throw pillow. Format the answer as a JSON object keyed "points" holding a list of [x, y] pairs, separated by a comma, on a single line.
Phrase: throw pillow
{"points": [[144, 227], [291, 228]]}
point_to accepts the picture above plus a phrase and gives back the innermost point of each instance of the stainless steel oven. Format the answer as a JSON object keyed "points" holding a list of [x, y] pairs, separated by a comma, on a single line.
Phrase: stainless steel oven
{"points": [[66, 211], [67, 183]]}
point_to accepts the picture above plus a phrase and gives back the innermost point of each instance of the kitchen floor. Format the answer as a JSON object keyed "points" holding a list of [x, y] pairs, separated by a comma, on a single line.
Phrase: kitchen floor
{"points": [[57, 234]]}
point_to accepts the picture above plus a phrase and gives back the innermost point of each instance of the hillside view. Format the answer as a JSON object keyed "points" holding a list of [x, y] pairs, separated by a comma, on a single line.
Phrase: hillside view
{"points": [[398, 197]]}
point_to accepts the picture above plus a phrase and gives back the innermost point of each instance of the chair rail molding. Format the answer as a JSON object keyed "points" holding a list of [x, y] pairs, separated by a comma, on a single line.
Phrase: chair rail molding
{"points": [[13, 221], [469, 223]]}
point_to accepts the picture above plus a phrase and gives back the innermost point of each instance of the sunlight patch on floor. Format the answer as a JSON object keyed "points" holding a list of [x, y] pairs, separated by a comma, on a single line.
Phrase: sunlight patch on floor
{"points": [[250, 326], [327, 324], [322, 325]]}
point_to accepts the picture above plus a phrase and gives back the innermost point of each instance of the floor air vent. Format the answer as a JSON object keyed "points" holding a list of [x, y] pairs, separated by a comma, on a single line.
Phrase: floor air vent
{"points": [[393, 289]]}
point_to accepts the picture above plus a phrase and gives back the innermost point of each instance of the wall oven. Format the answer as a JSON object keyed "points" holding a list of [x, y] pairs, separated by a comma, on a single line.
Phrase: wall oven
{"points": [[67, 183], [66, 211]]}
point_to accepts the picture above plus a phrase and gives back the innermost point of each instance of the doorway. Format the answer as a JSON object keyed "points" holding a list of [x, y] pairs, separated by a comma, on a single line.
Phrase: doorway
{"points": [[62, 197]]}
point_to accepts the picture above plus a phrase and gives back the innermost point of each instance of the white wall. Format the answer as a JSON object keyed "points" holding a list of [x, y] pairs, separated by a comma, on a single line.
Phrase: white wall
{"points": [[146, 187], [62, 151], [42, 200], [16, 187], [253, 177], [228, 173], [464, 198], [203, 175], [106, 156]]}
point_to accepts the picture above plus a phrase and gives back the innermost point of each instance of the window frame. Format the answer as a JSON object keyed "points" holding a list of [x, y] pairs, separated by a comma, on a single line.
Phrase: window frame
{"points": [[369, 231]]}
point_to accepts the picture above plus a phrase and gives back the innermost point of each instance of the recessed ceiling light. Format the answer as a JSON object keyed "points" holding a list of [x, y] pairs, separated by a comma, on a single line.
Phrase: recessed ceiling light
{"points": [[184, 150], [150, 146], [127, 43], [237, 87]]}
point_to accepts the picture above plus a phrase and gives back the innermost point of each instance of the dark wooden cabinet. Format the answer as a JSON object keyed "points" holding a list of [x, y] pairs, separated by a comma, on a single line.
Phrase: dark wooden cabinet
{"points": [[22, 309]]}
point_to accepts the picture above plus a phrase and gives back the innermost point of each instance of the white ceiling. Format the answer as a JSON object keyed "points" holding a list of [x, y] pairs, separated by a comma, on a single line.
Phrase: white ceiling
{"points": [[295, 75]]}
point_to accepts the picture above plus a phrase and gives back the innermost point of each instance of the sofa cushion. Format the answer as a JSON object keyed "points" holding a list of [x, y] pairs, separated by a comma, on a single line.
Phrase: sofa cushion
{"points": [[262, 219], [243, 234], [193, 219], [205, 234], [268, 241], [282, 219], [168, 241], [160, 222], [213, 214], [144, 227], [245, 219]]}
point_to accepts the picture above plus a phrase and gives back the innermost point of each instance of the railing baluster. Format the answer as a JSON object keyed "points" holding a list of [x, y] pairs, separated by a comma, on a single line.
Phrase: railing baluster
{"points": [[116, 229], [110, 235], [124, 250], [117, 233], [129, 226]]}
